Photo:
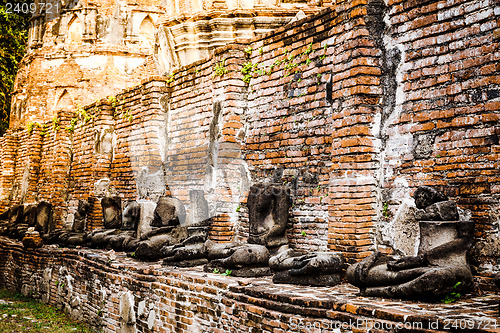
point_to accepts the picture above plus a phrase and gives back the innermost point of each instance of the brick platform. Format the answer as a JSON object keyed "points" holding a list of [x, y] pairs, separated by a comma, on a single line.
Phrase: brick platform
{"points": [[91, 285], [352, 108]]}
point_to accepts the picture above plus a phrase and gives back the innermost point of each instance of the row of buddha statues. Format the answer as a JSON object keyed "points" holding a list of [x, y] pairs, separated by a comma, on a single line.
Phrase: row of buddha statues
{"points": [[168, 234]]}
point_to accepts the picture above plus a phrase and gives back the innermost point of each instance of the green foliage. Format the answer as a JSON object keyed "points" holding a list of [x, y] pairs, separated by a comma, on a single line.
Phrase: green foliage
{"points": [[113, 100], [127, 115], [220, 68], [309, 49], [72, 124], [385, 210], [226, 273], [452, 296], [30, 126], [82, 114], [303, 233], [247, 70], [238, 208], [55, 124], [43, 129], [14, 35], [247, 67], [248, 50], [171, 77]]}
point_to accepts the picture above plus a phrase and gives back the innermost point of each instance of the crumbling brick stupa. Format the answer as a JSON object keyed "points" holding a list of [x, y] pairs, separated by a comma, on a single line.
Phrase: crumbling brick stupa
{"points": [[351, 108], [82, 51]]}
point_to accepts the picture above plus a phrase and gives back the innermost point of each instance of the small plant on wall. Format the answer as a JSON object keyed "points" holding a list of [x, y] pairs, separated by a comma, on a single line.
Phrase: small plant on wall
{"points": [[30, 126], [292, 65], [55, 124], [71, 127], [220, 68]]}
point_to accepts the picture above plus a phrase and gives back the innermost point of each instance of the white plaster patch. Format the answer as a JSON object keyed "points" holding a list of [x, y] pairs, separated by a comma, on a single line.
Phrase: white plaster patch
{"points": [[127, 64], [147, 214], [398, 145], [101, 187], [376, 127], [94, 62], [25, 180], [402, 232], [51, 63], [162, 142], [151, 319], [127, 313], [141, 309], [401, 190]]}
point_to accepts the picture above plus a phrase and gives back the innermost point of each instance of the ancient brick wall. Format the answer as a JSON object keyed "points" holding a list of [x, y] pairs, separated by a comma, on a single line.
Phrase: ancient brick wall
{"points": [[310, 120], [9, 144], [352, 108], [442, 129], [122, 295]]}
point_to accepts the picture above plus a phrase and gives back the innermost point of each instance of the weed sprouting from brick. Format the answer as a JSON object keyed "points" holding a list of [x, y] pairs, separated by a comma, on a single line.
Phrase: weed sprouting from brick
{"points": [[29, 127], [220, 68], [55, 124], [452, 296], [226, 273], [290, 64]]}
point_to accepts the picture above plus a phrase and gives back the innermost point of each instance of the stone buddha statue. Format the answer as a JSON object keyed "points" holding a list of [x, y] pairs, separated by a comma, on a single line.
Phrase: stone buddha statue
{"points": [[191, 251], [76, 235], [126, 239], [168, 227], [268, 206], [440, 266], [112, 218], [9, 219], [44, 223], [120, 228], [307, 268]]}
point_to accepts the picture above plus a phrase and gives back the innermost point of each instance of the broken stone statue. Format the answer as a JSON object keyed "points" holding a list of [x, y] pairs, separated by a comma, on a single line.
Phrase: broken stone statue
{"points": [[18, 219], [9, 221], [76, 235], [440, 266], [126, 239], [314, 269], [112, 218], [268, 206], [44, 223], [191, 251], [168, 227]]}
